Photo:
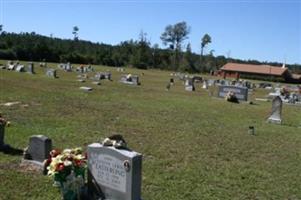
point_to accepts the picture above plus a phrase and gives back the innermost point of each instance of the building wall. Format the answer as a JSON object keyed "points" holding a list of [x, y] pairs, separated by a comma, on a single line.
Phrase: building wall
{"points": [[237, 75], [229, 74]]}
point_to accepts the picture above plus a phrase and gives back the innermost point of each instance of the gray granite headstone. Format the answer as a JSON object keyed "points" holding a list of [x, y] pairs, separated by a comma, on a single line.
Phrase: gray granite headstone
{"points": [[189, 85], [132, 80], [68, 67], [240, 92], [275, 116], [20, 68], [51, 73], [39, 147], [103, 75], [114, 174], [30, 68]]}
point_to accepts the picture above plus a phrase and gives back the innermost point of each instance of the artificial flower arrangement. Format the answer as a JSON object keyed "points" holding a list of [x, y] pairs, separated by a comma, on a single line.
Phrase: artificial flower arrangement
{"points": [[231, 97], [68, 170]]}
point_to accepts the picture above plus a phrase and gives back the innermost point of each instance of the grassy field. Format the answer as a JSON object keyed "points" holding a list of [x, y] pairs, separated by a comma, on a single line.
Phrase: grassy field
{"points": [[194, 146]]}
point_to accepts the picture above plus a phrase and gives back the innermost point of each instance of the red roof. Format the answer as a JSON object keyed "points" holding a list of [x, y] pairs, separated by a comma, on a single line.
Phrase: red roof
{"points": [[256, 69]]}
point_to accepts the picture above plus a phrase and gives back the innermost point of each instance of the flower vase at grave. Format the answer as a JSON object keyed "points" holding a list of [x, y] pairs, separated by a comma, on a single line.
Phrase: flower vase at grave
{"points": [[71, 187]]}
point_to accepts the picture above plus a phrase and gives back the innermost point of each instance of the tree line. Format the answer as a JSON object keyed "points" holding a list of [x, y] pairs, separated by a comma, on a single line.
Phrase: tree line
{"points": [[139, 53]]}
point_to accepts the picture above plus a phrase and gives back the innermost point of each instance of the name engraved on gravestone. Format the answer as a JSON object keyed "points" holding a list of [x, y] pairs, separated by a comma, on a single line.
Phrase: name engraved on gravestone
{"points": [[39, 147], [109, 171], [240, 92], [114, 173]]}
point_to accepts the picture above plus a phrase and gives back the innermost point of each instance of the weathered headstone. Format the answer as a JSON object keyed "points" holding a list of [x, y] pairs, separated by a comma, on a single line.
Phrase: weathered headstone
{"points": [[51, 73], [11, 66], [205, 85], [130, 79], [20, 68], [189, 85], [68, 67], [30, 68], [103, 75], [114, 173], [39, 147], [240, 92], [275, 116]]}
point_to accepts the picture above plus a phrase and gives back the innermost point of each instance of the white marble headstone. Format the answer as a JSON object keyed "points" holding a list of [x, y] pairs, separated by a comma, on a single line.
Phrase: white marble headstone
{"points": [[275, 116]]}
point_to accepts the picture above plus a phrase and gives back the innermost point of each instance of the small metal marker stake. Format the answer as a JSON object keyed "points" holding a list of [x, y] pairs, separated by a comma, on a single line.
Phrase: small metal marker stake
{"points": [[251, 130]]}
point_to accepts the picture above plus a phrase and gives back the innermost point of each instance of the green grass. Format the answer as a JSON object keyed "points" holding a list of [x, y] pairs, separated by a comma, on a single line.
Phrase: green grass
{"points": [[194, 146]]}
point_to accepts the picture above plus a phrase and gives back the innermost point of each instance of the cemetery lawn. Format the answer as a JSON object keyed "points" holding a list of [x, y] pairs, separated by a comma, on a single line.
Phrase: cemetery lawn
{"points": [[194, 146]]}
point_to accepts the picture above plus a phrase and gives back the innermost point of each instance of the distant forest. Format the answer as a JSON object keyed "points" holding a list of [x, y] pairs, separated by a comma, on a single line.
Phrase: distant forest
{"points": [[134, 53]]}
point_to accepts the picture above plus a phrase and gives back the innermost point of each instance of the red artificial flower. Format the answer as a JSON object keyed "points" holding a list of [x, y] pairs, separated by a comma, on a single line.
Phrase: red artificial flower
{"points": [[48, 161], [60, 167], [54, 153], [78, 163]]}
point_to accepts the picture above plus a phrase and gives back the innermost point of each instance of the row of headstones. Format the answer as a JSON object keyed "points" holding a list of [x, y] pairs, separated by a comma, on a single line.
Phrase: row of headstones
{"points": [[15, 66], [238, 83], [81, 69], [240, 89], [30, 68], [126, 79], [85, 69], [65, 66], [112, 173], [291, 98]]}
